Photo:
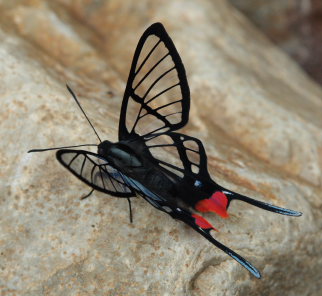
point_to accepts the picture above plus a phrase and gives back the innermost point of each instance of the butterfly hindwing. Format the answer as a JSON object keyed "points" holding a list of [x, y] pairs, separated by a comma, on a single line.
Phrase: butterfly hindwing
{"points": [[202, 226], [190, 164], [199, 224], [189, 159], [157, 96], [95, 171]]}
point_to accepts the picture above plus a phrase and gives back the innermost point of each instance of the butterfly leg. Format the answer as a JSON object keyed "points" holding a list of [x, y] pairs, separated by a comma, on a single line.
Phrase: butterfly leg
{"points": [[115, 176], [87, 195], [130, 209]]}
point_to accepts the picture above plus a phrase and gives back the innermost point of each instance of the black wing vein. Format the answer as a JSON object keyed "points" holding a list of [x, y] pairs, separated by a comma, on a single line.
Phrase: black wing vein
{"points": [[95, 171]]}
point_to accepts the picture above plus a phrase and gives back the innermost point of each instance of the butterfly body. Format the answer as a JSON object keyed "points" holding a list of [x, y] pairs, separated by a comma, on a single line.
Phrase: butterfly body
{"points": [[134, 160], [121, 155], [156, 103]]}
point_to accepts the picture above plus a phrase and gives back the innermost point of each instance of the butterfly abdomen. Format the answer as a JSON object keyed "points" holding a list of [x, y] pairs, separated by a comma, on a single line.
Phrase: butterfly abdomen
{"points": [[159, 182]]}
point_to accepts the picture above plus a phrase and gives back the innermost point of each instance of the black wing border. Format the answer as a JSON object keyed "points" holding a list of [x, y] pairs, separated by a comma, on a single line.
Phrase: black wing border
{"points": [[158, 30], [179, 139]]}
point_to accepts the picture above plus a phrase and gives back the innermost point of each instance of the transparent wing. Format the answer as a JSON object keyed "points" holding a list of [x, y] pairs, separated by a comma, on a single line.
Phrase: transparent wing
{"points": [[190, 159], [157, 96], [95, 172], [190, 164]]}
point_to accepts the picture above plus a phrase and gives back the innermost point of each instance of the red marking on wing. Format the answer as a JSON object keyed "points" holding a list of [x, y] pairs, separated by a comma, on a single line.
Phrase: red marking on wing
{"points": [[202, 222], [217, 203]]}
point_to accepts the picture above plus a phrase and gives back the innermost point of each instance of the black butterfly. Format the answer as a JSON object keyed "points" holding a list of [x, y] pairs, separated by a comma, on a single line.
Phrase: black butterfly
{"points": [[156, 103]]}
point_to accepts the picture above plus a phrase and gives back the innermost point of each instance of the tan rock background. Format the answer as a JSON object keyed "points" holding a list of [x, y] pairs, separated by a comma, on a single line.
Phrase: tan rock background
{"points": [[258, 114], [295, 25]]}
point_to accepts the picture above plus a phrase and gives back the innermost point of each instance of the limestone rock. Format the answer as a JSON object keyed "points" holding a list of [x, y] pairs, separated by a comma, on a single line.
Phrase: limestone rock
{"points": [[257, 113], [295, 25]]}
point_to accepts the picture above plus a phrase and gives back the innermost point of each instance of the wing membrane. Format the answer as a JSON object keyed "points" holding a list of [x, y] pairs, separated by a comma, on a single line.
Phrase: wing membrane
{"points": [[157, 96], [190, 159], [95, 172]]}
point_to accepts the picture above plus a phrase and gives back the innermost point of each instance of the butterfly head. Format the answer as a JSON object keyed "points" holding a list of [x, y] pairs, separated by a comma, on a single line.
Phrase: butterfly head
{"points": [[104, 148]]}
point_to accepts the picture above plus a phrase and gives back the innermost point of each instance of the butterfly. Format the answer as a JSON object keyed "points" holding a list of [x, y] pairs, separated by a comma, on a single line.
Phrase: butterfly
{"points": [[155, 105]]}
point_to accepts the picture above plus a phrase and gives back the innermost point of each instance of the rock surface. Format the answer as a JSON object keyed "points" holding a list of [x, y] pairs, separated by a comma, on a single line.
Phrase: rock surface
{"points": [[295, 25], [258, 114]]}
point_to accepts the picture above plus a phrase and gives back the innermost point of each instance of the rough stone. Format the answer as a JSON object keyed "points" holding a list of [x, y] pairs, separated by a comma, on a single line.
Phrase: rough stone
{"points": [[295, 25], [259, 117]]}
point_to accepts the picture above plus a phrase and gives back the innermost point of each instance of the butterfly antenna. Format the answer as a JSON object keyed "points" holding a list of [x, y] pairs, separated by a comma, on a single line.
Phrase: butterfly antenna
{"points": [[79, 105], [56, 148]]}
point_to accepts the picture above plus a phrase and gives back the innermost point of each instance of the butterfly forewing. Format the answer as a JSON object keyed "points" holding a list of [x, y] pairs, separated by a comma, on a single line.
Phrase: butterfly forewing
{"points": [[95, 171], [157, 97]]}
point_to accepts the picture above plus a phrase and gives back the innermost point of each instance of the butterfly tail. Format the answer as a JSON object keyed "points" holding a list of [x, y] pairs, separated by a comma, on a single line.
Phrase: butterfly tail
{"points": [[221, 198], [201, 225], [197, 222], [260, 204]]}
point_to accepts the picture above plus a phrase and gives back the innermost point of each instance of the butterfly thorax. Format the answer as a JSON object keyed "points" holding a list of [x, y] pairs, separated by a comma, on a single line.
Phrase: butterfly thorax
{"points": [[120, 156], [135, 161]]}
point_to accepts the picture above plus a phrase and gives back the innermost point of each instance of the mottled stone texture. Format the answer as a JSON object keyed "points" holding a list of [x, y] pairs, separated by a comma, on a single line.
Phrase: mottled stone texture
{"points": [[295, 25], [258, 115]]}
